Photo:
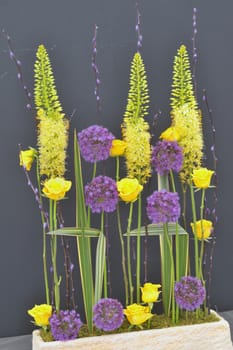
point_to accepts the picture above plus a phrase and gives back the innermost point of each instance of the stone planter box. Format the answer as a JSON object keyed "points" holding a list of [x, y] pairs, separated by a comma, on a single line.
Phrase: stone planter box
{"points": [[205, 336]]}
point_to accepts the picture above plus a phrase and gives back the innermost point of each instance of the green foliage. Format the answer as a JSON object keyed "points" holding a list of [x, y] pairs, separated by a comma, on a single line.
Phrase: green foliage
{"points": [[46, 97], [83, 242], [138, 98], [182, 86]]}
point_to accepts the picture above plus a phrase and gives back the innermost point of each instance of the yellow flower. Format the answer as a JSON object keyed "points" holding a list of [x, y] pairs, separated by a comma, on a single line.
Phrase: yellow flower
{"points": [[171, 134], [204, 228], [138, 150], [41, 314], [118, 148], [56, 188], [26, 158], [52, 143], [129, 189], [202, 177], [188, 120], [150, 292], [137, 314]]}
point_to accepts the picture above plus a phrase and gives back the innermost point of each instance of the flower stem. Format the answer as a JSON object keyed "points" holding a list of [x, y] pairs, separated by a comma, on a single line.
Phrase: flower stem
{"points": [[169, 243], [123, 257], [117, 168], [195, 231], [138, 270], [184, 202], [89, 209], [44, 235], [53, 226], [129, 253], [105, 263], [202, 239], [177, 276]]}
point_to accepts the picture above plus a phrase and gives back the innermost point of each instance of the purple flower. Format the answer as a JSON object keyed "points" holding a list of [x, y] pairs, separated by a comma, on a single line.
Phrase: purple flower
{"points": [[101, 194], [108, 314], [189, 293], [65, 325], [163, 206], [95, 143], [166, 156]]}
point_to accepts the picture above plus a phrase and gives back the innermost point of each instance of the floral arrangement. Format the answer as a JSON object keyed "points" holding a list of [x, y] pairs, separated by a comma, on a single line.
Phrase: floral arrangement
{"points": [[176, 159]]}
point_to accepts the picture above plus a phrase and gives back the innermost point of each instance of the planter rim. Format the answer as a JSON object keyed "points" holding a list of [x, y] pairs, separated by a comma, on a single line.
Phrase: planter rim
{"points": [[155, 334]]}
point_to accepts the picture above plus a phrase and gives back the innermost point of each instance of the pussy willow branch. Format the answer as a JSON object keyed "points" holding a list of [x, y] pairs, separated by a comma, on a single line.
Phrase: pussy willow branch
{"points": [[96, 71], [215, 198], [138, 28], [37, 197], [68, 265], [194, 42], [45, 224], [18, 64]]}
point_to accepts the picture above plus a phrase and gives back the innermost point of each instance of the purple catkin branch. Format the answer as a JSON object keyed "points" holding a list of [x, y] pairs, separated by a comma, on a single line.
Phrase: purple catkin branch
{"points": [[68, 265], [18, 64], [194, 42], [138, 28], [34, 189], [215, 197], [67, 290], [96, 71]]}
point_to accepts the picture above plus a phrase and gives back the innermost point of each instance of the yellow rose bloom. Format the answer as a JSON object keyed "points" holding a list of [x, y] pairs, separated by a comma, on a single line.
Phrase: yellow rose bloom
{"points": [[171, 134], [204, 228], [202, 177], [26, 158], [129, 189], [118, 148], [137, 314], [150, 292], [56, 188], [41, 314]]}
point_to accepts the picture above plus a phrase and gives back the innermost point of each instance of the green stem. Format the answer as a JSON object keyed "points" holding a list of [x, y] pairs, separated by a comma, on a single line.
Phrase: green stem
{"points": [[117, 168], [129, 253], [177, 275], [123, 257], [44, 236], [94, 171], [184, 202], [138, 264], [53, 226], [89, 209], [169, 242], [172, 181], [202, 238], [195, 231], [105, 263]]}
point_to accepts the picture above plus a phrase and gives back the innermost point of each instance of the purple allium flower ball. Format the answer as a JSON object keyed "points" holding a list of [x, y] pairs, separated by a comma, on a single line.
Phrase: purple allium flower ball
{"points": [[163, 206], [108, 314], [95, 143], [101, 194], [166, 156], [65, 325], [189, 293]]}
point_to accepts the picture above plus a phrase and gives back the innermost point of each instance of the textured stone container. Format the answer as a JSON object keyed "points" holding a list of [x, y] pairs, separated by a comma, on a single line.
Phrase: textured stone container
{"points": [[205, 336]]}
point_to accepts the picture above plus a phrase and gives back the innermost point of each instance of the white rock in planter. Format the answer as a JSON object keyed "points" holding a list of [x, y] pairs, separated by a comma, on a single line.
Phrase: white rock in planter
{"points": [[205, 336]]}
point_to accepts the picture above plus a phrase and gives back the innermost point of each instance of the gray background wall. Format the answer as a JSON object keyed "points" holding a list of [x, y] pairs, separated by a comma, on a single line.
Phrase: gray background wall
{"points": [[66, 29]]}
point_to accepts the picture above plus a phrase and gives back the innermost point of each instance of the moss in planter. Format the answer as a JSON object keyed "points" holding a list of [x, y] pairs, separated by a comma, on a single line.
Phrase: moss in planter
{"points": [[156, 322]]}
